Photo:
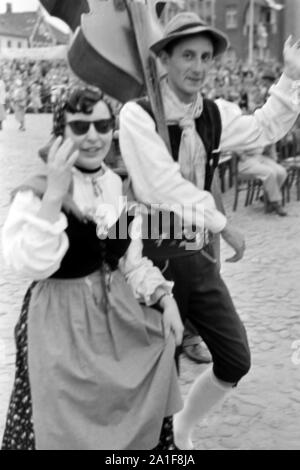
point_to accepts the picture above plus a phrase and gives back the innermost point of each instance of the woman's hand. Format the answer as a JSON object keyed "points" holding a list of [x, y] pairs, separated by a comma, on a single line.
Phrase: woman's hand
{"points": [[291, 54], [60, 162], [171, 319]]}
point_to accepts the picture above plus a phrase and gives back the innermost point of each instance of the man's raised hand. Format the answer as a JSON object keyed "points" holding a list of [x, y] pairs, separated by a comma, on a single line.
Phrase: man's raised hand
{"points": [[291, 55]]}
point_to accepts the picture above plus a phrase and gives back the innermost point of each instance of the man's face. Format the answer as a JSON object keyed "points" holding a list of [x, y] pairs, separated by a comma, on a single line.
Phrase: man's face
{"points": [[188, 65]]}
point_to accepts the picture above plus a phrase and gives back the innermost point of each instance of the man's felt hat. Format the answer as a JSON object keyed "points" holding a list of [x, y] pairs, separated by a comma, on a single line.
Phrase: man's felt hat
{"points": [[189, 24]]}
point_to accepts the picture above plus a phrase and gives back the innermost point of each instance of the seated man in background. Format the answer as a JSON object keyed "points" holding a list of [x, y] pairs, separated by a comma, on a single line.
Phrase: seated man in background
{"points": [[262, 163]]}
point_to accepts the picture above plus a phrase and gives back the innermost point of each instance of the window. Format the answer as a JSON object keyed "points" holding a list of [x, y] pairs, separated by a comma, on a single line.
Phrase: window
{"points": [[206, 9], [8, 43], [19, 45], [231, 17], [192, 5]]}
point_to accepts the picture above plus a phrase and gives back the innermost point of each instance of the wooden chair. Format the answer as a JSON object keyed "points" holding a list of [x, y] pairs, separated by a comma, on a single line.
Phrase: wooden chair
{"points": [[246, 182], [226, 166], [288, 151]]}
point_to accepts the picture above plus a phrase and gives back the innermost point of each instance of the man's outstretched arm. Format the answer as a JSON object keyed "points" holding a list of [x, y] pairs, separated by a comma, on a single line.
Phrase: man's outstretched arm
{"points": [[272, 121]]}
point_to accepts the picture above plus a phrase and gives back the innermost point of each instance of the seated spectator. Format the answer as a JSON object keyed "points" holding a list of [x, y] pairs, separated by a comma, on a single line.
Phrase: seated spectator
{"points": [[262, 163]]}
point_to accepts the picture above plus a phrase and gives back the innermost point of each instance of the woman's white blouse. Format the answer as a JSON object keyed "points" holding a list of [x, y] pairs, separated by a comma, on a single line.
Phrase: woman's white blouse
{"points": [[35, 248]]}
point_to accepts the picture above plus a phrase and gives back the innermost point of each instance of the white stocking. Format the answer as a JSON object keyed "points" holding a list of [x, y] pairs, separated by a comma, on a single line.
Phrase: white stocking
{"points": [[205, 393]]}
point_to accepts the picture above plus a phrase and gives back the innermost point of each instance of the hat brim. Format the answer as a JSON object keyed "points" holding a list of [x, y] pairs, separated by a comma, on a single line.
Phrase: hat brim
{"points": [[220, 40]]}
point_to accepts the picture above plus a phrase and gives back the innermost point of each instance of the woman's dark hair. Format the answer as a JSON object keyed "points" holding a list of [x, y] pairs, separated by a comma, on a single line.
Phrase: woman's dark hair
{"points": [[76, 100]]}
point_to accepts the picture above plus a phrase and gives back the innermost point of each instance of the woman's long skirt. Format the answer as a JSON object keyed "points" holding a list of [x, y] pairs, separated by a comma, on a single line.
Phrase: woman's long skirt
{"points": [[93, 370]]}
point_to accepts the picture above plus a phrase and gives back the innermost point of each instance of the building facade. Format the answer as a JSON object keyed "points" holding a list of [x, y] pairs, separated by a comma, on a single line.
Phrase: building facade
{"points": [[28, 29], [204, 8], [234, 18], [292, 18], [271, 25]]}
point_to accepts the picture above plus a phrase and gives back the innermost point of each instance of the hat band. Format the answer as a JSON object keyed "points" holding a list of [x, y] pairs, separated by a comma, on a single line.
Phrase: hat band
{"points": [[187, 26]]}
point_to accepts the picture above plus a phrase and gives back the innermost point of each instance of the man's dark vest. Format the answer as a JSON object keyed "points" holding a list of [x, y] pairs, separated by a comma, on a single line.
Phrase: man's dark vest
{"points": [[209, 128]]}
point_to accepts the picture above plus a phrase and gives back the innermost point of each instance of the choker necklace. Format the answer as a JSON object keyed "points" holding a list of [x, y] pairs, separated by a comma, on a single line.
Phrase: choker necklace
{"points": [[89, 172]]}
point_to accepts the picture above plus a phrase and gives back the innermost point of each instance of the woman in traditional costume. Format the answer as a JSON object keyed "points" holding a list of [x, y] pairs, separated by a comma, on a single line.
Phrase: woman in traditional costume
{"points": [[95, 362]]}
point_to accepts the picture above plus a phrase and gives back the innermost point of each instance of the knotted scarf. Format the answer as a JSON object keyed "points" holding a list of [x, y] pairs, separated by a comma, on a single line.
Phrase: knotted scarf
{"points": [[192, 152]]}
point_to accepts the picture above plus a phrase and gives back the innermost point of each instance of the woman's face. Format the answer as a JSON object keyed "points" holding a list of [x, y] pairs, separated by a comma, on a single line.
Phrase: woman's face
{"points": [[93, 145]]}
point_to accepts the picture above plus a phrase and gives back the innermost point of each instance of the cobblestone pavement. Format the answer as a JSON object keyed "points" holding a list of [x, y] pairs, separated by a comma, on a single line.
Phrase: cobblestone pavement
{"points": [[264, 411]]}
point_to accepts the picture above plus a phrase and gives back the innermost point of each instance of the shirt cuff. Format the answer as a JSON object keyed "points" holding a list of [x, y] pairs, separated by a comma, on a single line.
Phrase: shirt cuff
{"points": [[146, 291], [218, 224], [167, 287]]}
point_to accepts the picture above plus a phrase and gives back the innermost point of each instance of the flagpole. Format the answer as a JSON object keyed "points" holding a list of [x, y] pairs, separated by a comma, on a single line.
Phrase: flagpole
{"points": [[213, 12], [251, 32]]}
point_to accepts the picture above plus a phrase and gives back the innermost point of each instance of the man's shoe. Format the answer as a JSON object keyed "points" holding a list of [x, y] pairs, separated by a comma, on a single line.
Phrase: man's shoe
{"points": [[278, 209], [196, 350]]}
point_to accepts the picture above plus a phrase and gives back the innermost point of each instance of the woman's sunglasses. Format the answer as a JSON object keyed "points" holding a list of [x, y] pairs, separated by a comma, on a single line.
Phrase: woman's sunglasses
{"points": [[103, 126]]}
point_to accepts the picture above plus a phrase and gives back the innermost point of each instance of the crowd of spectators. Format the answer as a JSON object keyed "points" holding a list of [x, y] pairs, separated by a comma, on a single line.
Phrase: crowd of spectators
{"points": [[247, 86], [232, 80], [43, 82]]}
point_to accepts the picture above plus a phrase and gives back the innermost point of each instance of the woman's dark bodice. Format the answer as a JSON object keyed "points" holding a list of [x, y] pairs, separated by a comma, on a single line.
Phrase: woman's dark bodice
{"points": [[87, 253]]}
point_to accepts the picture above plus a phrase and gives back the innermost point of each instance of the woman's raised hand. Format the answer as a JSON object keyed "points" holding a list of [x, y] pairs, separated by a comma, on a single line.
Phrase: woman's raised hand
{"points": [[60, 162]]}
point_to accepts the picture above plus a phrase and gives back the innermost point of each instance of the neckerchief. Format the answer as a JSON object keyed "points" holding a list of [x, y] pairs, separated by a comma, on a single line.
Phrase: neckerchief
{"points": [[191, 151]]}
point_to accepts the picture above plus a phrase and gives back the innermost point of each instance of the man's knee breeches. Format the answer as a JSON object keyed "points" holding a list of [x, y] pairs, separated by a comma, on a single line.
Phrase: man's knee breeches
{"points": [[234, 365], [204, 299]]}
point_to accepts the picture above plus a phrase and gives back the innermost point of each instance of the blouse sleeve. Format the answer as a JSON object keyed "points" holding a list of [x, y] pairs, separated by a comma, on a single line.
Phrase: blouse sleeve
{"points": [[143, 277], [31, 246]]}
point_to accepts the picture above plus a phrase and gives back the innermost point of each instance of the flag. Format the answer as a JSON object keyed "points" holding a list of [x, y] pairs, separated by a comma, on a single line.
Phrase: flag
{"points": [[160, 5]]}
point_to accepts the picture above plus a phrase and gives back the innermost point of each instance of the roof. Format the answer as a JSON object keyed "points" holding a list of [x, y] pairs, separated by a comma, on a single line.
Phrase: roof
{"points": [[61, 37], [22, 25], [18, 24]]}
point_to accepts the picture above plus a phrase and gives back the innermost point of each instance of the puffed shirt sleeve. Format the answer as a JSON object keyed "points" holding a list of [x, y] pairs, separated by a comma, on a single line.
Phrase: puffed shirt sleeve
{"points": [[266, 125], [33, 247], [140, 273], [156, 177]]}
